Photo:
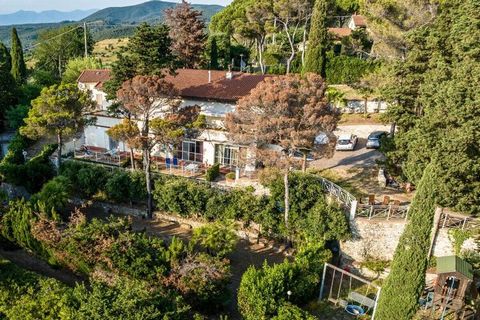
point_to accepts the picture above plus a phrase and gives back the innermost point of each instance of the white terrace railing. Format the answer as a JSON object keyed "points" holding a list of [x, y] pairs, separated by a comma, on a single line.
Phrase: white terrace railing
{"points": [[450, 221], [382, 211], [346, 199]]}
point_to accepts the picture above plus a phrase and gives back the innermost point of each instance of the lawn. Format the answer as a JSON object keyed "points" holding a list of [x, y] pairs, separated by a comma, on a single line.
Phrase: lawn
{"points": [[107, 50]]}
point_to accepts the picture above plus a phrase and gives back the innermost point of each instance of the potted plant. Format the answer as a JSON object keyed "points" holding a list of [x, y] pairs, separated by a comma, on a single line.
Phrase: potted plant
{"points": [[230, 177]]}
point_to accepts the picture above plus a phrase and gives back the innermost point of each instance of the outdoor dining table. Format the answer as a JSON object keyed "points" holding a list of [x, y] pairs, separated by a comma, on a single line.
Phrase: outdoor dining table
{"points": [[192, 167]]}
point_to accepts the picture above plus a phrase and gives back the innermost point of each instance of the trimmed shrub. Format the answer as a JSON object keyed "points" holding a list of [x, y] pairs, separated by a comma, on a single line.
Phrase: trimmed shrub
{"points": [[15, 149], [213, 172], [262, 291], [91, 179], [288, 311], [86, 178], [54, 194], [322, 222], [181, 196], [217, 239], [32, 174], [117, 187]]}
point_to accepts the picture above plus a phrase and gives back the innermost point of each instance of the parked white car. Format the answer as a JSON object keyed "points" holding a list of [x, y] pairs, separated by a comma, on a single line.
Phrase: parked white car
{"points": [[346, 142]]}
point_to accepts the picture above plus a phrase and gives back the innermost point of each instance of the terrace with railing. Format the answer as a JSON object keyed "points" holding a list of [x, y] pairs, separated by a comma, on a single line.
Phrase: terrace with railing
{"points": [[191, 165]]}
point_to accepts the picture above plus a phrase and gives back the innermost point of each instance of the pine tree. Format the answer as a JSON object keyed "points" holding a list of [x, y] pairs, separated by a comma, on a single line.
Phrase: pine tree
{"points": [[318, 40], [19, 69], [187, 33], [403, 286], [148, 53]]}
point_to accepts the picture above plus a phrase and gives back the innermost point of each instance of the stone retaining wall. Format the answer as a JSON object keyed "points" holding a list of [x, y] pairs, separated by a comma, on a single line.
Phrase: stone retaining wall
{"points": [[379, 238]]}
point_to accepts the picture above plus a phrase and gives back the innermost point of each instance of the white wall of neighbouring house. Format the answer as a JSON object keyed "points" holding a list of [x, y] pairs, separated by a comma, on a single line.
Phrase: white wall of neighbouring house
{"points": [[96, 135], [211, 108], [96, 95], [358, 106]]}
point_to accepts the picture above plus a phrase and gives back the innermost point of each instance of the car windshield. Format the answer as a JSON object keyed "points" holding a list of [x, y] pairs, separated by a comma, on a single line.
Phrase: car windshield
{"points": [[343, 142]]}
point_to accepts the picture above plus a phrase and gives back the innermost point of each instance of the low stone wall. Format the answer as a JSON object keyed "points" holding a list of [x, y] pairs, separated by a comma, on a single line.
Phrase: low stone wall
{"points": [[13, 191], [379, 239], [250, 234]]}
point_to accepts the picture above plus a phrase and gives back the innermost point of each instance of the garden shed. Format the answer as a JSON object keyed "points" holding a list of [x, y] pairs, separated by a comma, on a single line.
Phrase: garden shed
{"points": [[454, 277]]}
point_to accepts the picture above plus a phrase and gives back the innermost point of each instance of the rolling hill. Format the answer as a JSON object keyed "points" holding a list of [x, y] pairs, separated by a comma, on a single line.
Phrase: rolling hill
{"points": [[113, 22], [50, 16], [148, 11]]}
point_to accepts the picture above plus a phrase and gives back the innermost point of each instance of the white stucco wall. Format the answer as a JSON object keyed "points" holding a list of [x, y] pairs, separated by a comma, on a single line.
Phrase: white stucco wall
{"points": [[97, 136], [211, 108], [97, 95], [358, 106]]}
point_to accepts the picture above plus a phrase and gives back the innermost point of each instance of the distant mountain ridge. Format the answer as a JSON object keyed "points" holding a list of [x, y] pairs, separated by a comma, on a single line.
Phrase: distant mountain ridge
{"points": [[50, 16], [147, 11], [113, 22]]}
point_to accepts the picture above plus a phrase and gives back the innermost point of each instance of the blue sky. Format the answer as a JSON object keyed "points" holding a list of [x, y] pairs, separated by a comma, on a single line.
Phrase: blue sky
{"points": [[9, 6]]}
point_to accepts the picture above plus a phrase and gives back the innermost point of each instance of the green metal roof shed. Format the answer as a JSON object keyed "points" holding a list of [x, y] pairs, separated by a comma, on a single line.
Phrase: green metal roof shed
{"points": [[454, 264]]}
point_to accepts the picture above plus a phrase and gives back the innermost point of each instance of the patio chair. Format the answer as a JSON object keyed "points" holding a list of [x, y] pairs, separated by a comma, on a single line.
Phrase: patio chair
{"points": [[111, 153], [175, 162], [396, 203], [371, 199], [386, 200]]}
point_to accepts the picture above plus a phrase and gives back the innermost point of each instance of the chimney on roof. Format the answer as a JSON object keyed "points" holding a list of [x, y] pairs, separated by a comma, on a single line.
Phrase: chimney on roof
{"points": [[229, 74], [209, 76]]}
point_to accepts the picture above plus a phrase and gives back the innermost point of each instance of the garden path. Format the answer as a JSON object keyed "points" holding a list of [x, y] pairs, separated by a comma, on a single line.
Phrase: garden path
{"points": [[30, 262], [245, 254]]}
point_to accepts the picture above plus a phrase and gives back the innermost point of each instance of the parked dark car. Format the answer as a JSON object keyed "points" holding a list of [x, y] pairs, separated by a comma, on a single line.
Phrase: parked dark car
{"points": [[374, 139]]}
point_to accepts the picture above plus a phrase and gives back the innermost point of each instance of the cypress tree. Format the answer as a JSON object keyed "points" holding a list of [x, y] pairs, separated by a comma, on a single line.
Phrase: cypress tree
{"points": [[7, 83], [213, 54], [19, 69], [404, 285], [5, 59], [318, 39]]}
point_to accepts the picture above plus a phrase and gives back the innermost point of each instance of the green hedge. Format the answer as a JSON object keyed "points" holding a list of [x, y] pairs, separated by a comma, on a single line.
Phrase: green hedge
{"points": [[198, 199], [213, 172], [118, 185]]}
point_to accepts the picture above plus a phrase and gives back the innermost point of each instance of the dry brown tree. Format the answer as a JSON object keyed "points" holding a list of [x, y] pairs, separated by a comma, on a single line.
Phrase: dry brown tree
{"points": [[156, 106], [282, 117], [187, 31]]}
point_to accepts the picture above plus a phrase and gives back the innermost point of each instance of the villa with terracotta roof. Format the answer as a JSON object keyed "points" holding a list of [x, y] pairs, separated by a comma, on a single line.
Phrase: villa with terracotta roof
{"points": [[216, 92]]}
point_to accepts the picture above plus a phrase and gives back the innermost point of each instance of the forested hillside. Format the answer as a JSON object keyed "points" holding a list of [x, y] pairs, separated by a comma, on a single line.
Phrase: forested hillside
{"points": [[114, 22]]}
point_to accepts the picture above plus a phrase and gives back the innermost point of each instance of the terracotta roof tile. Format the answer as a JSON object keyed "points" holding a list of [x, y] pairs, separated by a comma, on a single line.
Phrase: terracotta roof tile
{"points": [[340, 32], [193, 83], [359, 20], [94, 76]]}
